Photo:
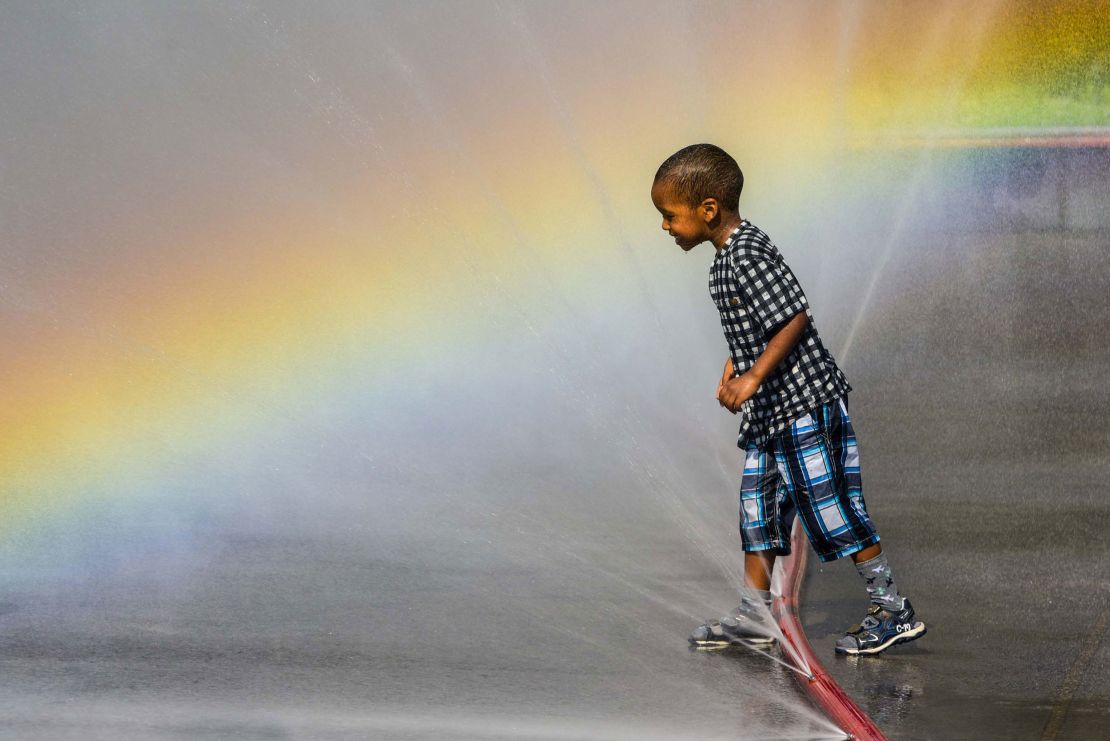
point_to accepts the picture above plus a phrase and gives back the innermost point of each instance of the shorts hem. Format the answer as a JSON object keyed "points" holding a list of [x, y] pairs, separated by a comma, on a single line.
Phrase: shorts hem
{"points": [[849, 550], [780, 549]]}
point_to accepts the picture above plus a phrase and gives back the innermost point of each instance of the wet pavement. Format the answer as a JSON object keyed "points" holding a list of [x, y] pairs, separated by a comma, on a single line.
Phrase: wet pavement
{"points": [[492, 622], [984, 445], [296, 636]]}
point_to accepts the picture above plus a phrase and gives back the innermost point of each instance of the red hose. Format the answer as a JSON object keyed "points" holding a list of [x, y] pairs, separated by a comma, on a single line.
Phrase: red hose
{"points": [[821, 687]]}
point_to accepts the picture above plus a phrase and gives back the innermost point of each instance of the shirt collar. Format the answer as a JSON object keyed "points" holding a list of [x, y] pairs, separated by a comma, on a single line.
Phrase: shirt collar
{"points": [[733, 235]]}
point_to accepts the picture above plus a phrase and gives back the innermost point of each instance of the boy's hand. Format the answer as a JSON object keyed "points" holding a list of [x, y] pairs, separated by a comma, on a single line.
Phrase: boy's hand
{"points": [[737, 390], [734, 392], [725, 376]]}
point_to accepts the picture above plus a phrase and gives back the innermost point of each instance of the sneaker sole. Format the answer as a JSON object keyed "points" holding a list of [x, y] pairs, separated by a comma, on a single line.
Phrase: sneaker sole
{"points": [[717, 645], [914, 633]]}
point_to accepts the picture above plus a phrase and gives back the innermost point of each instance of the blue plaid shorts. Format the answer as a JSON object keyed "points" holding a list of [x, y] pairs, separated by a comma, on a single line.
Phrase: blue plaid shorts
{"points": [[810, 469]]}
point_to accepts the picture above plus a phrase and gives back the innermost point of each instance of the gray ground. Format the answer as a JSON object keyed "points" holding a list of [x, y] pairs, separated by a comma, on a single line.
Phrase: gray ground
{"points": [[984, 443], [285, 638]]}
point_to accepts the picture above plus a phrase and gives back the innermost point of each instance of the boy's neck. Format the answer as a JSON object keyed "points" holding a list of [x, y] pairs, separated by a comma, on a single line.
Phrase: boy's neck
{"points": [[721, 234]]}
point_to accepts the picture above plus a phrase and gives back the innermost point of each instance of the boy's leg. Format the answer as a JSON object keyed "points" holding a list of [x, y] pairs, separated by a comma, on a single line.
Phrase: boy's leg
{"points": [[766, 514], [757, 570], [867, 553], [870, 562], [763, 505], [819, 459]]}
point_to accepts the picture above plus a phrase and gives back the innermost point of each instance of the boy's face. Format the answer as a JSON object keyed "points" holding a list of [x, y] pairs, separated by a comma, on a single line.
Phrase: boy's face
{"points": [[688, 225]]}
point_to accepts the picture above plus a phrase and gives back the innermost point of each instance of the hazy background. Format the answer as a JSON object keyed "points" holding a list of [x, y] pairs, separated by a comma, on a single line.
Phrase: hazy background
{"points": [[345, 364]]}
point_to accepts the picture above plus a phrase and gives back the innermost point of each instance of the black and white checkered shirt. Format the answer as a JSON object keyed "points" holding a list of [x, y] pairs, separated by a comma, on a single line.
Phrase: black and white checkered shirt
{"points": [[756, 294]]}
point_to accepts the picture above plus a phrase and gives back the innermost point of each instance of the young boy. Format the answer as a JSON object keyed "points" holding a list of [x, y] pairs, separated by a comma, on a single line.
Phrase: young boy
{"points": [[800, 450]]}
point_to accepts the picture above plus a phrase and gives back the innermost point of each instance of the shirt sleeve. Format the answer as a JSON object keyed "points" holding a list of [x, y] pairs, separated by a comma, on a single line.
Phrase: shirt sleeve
{"points": [[773, 294]]}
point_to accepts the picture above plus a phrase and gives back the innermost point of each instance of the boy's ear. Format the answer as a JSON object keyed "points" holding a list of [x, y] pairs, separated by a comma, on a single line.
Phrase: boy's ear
{"points": [[709, 208]]}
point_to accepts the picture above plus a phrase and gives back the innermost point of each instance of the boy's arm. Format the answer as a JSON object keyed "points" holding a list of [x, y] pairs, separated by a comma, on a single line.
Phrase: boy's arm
{"points": [[738, 390], [777, 308]]}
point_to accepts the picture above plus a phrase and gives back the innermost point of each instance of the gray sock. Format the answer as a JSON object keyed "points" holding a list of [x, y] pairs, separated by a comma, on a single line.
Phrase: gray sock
{"points": [[756, 595], [880, 584]]}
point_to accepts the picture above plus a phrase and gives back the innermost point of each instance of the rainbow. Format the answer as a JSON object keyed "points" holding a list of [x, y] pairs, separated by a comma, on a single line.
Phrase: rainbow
{"points": [[237, 321]]}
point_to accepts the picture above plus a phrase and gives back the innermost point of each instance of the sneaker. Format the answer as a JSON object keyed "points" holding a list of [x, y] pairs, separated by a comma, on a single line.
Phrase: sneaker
{"points": [[880, 630], [748, 624]]}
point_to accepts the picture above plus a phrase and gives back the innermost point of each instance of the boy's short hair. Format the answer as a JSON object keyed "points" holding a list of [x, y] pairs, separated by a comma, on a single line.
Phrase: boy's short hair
{"points": [[702, 171]]}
